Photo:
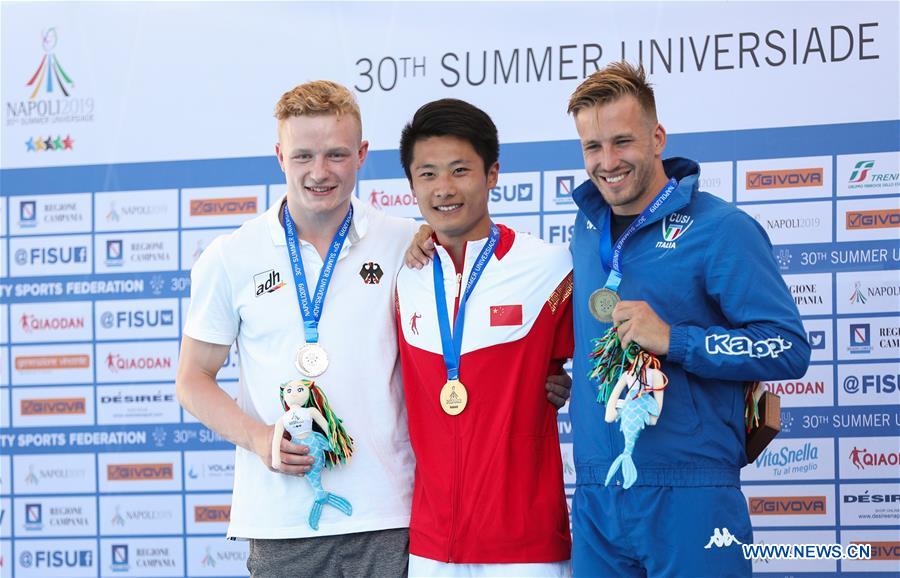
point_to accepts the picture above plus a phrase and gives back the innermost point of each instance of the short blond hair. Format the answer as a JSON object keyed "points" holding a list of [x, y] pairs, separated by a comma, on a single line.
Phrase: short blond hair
{"points": [[612, 83], [317, 97]]}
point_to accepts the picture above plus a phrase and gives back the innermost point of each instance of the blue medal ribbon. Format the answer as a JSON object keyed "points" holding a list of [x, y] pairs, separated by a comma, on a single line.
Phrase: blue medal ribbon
{"points": [[612, 255], [452, 345], [312, 312]]}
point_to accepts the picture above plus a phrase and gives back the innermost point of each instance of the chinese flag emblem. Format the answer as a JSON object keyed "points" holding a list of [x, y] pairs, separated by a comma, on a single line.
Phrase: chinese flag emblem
{"points": [[505, 315]]}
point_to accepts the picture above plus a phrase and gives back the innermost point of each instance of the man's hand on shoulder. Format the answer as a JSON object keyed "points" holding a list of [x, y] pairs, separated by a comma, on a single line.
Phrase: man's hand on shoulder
{"points": [[421, 250]]}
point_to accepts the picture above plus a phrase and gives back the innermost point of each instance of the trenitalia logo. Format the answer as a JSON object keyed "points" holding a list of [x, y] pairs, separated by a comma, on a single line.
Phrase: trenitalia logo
{"points": [[138, 472], [225, 206], [62, 406], [794, 505], [790, 178], [45, 362], [883, 550], [879, 219], [212, 513]]}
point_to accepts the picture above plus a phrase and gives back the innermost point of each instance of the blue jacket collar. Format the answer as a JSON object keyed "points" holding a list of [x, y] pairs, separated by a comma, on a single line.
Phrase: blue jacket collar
{"points": [[687, 172]]}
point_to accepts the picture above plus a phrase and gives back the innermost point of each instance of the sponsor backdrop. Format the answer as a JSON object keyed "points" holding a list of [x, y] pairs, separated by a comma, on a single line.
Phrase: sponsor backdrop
{"points": [[134, 134]]}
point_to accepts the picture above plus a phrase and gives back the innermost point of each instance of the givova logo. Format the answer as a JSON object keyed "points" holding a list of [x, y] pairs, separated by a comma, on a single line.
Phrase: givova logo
{"points": [[793, 505]]}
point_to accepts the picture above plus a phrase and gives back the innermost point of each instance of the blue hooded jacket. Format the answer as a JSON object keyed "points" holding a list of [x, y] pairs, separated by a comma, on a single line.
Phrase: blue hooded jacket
{"points": [[706, 268]]}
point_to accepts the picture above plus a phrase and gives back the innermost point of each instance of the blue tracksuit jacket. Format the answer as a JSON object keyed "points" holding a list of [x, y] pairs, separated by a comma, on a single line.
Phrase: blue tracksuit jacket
{"points": [[707, 270]]}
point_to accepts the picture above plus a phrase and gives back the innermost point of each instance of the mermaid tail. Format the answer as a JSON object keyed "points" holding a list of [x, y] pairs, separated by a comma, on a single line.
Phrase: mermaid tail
{"points": [[634, 415], [629, 471], [332, 500], [318, 445]]}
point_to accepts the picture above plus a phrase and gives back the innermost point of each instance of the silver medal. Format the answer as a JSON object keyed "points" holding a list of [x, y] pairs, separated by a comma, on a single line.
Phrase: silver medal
{"points": [[601, 303], [311, 360]]}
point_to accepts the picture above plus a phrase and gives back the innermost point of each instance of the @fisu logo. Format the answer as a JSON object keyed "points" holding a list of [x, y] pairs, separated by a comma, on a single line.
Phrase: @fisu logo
{"points": [[50, 73]]}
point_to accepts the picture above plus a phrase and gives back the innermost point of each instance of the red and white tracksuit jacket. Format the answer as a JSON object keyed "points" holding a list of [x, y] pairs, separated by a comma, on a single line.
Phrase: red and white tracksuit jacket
{"points": [[489, 484]]}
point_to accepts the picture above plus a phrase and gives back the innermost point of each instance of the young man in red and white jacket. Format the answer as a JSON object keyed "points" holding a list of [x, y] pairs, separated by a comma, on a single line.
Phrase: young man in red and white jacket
{"points": [[480, 327]]}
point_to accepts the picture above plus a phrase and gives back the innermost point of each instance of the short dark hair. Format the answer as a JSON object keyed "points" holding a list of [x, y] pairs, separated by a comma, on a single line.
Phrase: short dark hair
{"points": [[451, 117]]}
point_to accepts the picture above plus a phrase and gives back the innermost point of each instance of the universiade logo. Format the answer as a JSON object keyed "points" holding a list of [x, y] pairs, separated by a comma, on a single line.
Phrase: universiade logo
{"points": [[49, 69]]}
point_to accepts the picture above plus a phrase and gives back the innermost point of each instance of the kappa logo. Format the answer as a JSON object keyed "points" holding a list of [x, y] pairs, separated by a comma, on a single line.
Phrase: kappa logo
{"points": [[267, 282], [371, 273], [740, 345], [721, 538], [673, 227]]}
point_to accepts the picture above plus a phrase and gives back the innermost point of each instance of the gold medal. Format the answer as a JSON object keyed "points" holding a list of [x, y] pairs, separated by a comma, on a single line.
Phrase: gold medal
{"points": [[601, 303], [454, 397]]}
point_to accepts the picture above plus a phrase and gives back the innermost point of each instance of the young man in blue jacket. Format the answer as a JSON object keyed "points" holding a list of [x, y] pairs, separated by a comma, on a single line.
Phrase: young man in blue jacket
{"points": [[700, 289]]}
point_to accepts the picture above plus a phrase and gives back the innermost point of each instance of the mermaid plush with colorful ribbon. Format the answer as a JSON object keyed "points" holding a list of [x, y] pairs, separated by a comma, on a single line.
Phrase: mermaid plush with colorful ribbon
{"points": [[637, 374], [305, 405]]}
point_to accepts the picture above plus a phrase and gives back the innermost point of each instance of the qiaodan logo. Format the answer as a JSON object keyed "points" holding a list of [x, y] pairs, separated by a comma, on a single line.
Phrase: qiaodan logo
{"points": [[740, 345]]}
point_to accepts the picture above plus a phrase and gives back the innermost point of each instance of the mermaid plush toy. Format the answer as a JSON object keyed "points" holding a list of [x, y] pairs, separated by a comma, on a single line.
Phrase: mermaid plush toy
{"points": [[305, 403], [637, 373], [637, 411]]}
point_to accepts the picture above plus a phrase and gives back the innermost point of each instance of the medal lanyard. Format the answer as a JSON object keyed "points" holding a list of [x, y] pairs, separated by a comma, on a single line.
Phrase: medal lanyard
{"points": [[611, 255], [452, 346], [312, 312]]}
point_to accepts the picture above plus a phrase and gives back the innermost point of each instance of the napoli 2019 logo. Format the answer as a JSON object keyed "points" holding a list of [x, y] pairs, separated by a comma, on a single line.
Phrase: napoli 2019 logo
{"points": [[50, 69]]}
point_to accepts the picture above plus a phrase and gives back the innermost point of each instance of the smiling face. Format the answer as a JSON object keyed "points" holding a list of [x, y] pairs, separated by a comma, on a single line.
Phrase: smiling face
{"points": [[295, 394], [451, 186], [622, 147], [320, 155]]}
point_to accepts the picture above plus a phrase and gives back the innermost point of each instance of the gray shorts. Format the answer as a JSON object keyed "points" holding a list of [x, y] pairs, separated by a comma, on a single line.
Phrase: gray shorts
{"points": [[382, 553]]}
